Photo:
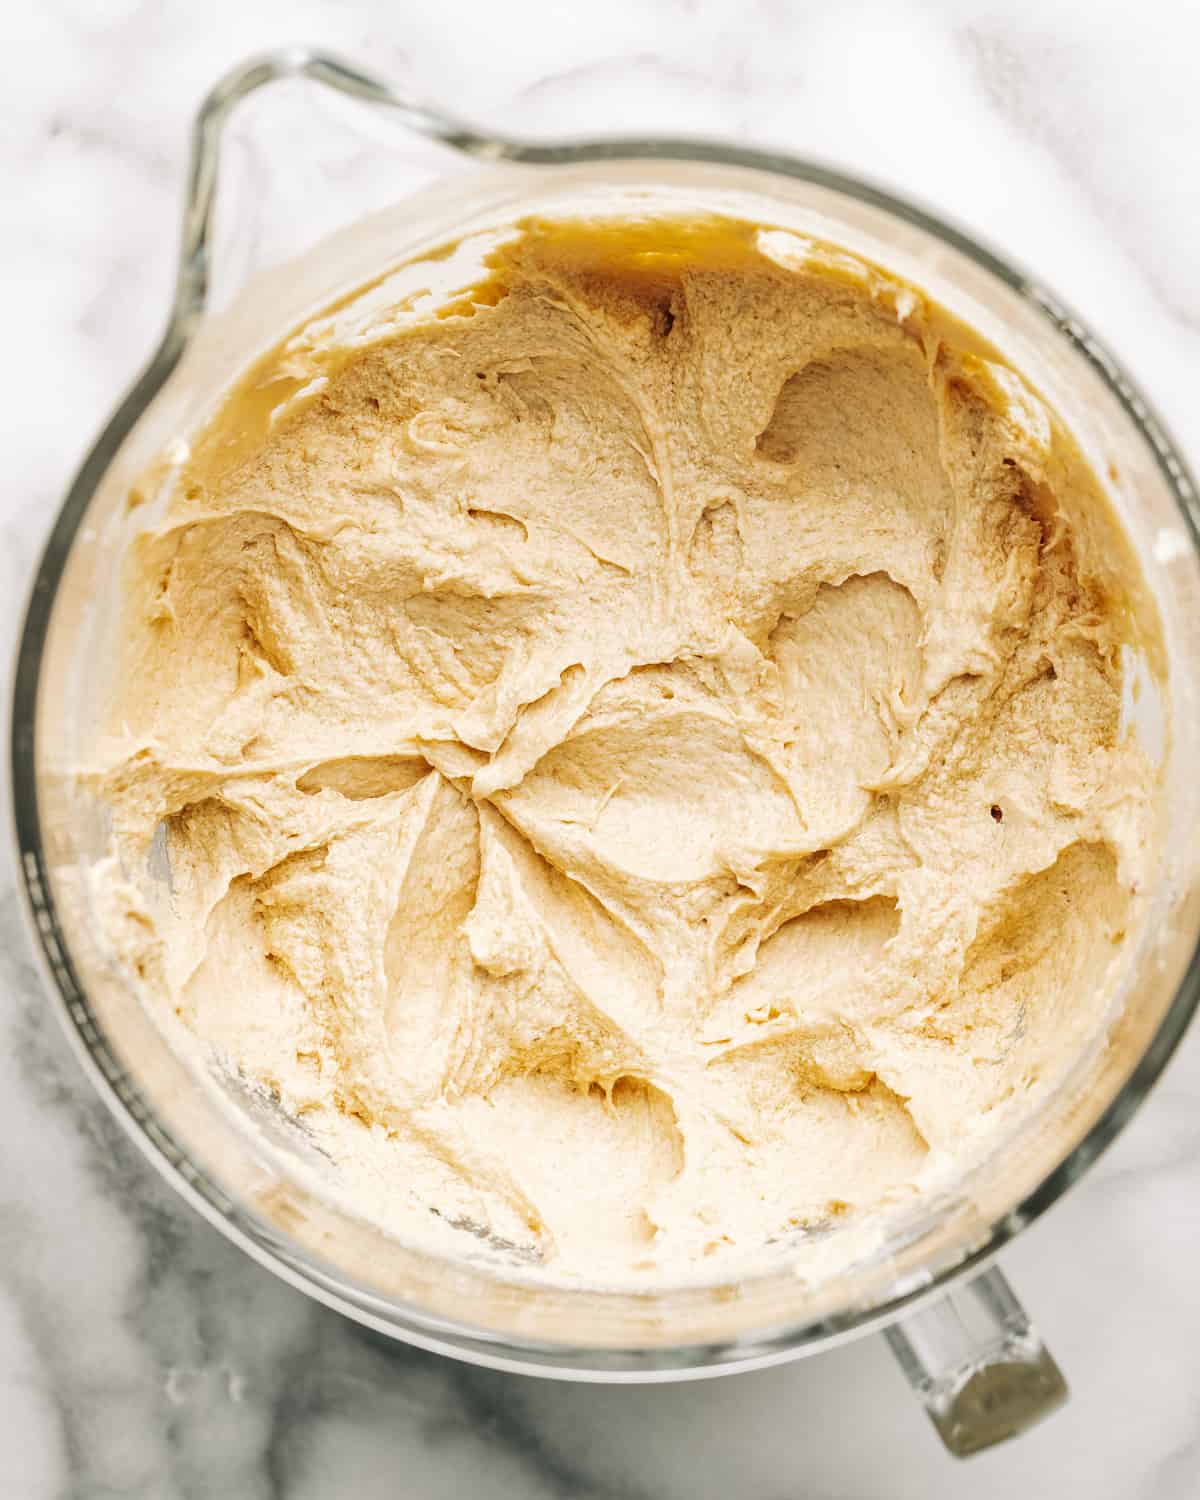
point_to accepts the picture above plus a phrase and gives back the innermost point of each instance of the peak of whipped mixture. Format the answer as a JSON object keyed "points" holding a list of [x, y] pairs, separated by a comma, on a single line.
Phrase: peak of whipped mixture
{"points": [[638, 747]]}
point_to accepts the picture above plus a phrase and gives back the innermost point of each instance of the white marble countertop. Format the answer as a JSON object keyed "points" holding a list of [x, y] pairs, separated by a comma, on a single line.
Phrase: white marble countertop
{"points": [[141, 1355]]}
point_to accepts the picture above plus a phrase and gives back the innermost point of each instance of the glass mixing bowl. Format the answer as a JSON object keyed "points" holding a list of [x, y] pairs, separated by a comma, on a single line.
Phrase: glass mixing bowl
{"points": [[961, 1336]]}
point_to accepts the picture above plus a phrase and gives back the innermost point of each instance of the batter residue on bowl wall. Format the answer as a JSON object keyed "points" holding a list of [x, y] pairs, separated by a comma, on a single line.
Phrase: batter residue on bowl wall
{"points": [[638, 747]]}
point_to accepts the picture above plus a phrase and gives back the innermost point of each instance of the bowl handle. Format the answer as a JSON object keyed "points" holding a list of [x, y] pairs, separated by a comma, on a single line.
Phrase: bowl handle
{"points": [[194, 266], [977, 1364]]}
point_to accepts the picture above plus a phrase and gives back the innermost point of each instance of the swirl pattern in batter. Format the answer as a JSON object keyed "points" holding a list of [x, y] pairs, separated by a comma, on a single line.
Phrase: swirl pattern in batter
{"points": [[638, 747]]}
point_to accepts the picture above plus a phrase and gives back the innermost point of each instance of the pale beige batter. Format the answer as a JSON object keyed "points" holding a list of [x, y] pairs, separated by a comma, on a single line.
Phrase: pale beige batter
{"points": [[638, 747]]}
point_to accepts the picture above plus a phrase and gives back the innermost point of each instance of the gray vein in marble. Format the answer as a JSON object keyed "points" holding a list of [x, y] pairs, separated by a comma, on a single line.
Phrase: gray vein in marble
{"points": [[96, 134], [1177, 1477], [489, 1397]]}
